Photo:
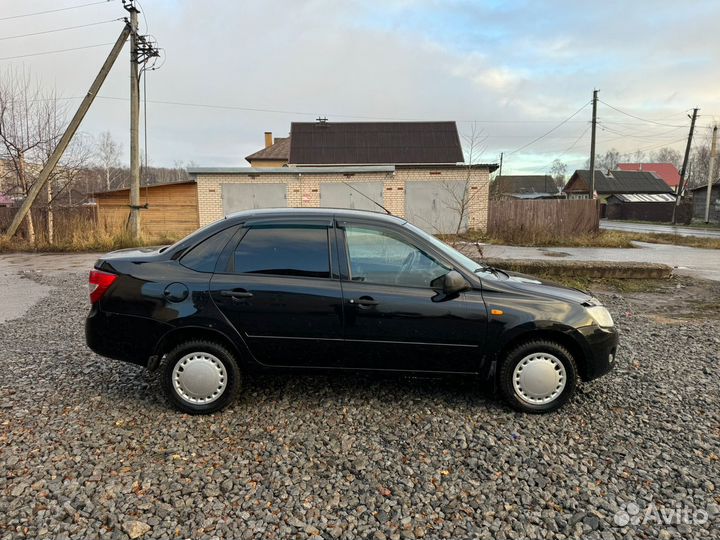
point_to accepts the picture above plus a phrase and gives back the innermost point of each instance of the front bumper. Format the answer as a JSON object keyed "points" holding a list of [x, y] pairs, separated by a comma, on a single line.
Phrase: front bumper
{"points": [[600, 346]]}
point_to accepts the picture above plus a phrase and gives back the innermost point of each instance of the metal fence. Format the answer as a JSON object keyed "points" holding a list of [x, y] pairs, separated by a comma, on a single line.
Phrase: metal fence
{"points": [[557, 218]]}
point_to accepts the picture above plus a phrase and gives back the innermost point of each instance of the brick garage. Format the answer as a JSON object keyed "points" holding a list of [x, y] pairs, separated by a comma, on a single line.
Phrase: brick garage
{"points": [[303, 187]]}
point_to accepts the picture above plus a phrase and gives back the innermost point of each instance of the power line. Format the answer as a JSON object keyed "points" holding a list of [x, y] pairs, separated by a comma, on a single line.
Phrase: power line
{"points": [[638, 117], [59, 29], [550, 131], [639, 136], [56, 51], [54, 10], [654, 146], [564, 152]]}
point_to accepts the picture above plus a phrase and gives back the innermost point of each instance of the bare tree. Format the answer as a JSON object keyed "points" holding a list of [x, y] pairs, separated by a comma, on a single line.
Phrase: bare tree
{"points": [[107, 156], [607, 162], [558, 170], [32, 122], [459, 195], [668, 155]]}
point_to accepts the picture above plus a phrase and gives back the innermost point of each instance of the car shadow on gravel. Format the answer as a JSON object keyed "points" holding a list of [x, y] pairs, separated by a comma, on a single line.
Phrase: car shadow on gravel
{"points": [[131, 383]]}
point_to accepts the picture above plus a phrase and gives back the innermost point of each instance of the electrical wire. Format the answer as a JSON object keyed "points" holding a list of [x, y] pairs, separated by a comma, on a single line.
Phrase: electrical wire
{"points": [[658, 136], [56, 51], [564, 152], [637, 117], [54, 10], [550, 131], [59, 29]]}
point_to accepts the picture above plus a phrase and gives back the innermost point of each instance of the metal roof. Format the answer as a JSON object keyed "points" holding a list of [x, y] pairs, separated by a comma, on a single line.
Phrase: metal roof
{"points": [[645, 197], [374, 143], [539, 183], [617, 182], [667, 171]]}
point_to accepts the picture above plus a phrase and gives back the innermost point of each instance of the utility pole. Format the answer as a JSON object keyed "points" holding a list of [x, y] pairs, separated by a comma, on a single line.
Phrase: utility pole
{"points": [[135, 231], [711, 173], [501, 160], [592, 145], [68, 135], [681, 186]]}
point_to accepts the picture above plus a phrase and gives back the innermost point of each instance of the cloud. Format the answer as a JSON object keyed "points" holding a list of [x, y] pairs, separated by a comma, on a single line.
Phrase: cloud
{"points": [[518, 68]]}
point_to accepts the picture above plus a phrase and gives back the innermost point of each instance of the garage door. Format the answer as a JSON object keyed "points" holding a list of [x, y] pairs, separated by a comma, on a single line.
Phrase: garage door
{"points": [[237, 197], [433, 206], [338, 195]]}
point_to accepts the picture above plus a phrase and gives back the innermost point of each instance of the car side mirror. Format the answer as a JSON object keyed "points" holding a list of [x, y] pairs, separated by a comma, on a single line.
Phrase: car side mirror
{"points": [[454, 283]]}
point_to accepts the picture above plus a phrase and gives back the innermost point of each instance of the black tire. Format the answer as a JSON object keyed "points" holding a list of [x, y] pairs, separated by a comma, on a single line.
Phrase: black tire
{"points": [[521, 352], [232, 383]]}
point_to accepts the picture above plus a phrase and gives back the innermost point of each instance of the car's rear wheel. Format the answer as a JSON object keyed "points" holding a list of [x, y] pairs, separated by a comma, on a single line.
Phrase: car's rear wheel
{"points": [[200, 377], [538, 376]]}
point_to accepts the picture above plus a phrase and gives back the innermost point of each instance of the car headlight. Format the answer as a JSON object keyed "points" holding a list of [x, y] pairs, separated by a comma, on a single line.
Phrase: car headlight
{"points": [[601, 316]]}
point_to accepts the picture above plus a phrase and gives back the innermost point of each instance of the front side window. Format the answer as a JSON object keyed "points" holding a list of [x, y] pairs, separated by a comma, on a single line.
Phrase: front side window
{"points": [[380, 257], [285, 251]]}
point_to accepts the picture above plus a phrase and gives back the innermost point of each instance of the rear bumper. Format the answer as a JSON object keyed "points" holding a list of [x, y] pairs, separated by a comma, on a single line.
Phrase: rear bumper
{"points": [[123, 337], [600, 346]]}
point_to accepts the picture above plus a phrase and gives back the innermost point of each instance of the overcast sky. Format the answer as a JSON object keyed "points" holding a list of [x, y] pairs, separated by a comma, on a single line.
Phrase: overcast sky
{"points": [[515, 70]]}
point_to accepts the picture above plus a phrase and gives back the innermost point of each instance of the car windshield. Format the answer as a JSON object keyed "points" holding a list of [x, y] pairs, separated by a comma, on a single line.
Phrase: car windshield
{"points": [[464, 261]]}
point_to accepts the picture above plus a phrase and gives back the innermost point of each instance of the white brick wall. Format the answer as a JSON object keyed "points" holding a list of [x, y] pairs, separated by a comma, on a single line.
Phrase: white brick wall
{"points": [[304, 188]]}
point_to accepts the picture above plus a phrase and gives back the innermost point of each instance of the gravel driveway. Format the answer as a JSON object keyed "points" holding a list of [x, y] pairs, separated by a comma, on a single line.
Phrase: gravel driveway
{"points": [[89, 448]]}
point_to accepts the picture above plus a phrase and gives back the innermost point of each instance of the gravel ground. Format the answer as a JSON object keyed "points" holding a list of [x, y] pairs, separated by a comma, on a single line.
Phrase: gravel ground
{"points": [[90, 448]]}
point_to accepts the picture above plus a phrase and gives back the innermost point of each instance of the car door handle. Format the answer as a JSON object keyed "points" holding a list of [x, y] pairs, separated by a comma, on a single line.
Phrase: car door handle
{"points": [[236, 293], [364, 301]]}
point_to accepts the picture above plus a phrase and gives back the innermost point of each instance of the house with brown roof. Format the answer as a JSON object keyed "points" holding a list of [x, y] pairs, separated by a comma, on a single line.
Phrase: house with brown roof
{"points": [[274, 154], [527, 186], [630, 195], [667, 172]]}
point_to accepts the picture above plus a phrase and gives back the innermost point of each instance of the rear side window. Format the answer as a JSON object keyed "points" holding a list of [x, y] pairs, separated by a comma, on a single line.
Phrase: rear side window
{"points": [[285, 251], [204, 256]]}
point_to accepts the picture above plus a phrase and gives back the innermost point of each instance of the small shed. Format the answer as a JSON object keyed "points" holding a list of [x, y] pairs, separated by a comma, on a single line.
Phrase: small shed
{"points": [[699, 197], [168, 209]]}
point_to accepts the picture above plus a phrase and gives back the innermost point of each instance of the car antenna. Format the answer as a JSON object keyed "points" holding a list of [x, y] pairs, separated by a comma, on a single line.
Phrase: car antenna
{"points": [[368, 198]]}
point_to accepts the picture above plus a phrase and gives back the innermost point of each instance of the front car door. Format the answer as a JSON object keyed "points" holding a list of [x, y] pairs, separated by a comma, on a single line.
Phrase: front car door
{"points": [[279, 287], [396, 317]]}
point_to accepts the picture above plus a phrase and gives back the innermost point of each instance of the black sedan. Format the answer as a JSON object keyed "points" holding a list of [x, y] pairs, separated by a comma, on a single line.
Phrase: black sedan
{"points": [[339, 290]]}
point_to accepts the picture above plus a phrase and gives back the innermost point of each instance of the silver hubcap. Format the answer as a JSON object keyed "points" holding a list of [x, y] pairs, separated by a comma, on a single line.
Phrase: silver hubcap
{"points": [[539, 378], [199, 378]]}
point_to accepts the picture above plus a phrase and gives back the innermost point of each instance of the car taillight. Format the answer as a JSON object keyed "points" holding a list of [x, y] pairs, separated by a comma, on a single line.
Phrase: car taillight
{"points": [[99, 283]]}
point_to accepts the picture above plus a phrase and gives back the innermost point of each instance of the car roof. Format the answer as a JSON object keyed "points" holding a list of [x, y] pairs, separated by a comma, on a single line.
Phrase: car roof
{"points": [[315, 212]]}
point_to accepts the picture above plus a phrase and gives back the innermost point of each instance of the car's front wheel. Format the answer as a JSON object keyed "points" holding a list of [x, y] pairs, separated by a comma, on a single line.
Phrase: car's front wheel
{"points": [[538, 376], [200, 377]]}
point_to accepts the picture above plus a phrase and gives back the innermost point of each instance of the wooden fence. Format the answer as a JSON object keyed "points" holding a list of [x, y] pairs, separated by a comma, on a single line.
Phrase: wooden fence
{"points": [[517, 220]]}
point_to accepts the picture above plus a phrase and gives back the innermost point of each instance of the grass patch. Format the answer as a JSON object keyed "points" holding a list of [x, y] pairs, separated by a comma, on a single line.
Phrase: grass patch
{"points": [[82, 242], [603, 239]]}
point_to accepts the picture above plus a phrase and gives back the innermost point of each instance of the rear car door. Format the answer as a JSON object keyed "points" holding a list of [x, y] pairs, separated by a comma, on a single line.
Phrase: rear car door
{"points": [[280, 289], [396, 317]]}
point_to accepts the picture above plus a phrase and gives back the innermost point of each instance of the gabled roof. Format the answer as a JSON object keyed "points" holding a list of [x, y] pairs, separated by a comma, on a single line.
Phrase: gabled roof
{"points": [[510, 184], [715, 184], [347, 143], [667, 171], [617, 182], [278, 151]]}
